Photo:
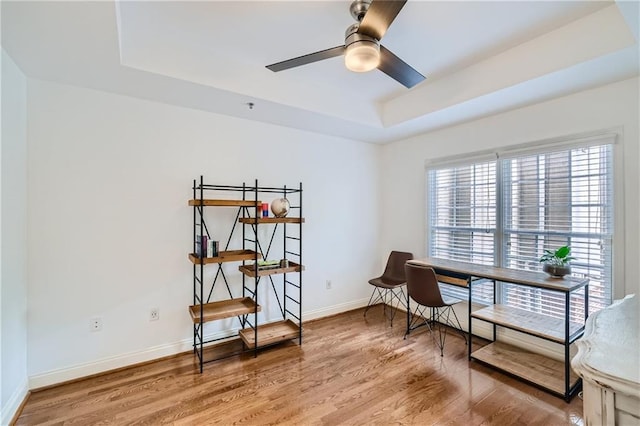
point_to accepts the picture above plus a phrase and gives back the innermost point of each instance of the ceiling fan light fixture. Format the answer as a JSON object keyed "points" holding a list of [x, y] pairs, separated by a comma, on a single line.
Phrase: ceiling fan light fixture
{"points": [[362, 56]]}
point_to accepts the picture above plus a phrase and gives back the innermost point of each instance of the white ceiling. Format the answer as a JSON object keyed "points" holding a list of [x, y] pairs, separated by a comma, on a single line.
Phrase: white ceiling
{"points": [[479, 57]]}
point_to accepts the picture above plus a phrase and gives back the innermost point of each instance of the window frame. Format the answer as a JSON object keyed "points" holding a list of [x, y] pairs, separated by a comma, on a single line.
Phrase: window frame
{"points": [[606, 137]]}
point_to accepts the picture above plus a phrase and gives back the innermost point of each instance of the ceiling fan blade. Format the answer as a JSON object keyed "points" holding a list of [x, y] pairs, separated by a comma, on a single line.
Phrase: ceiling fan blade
{"points": [[379, 17], [307, 59], [397, 69]]}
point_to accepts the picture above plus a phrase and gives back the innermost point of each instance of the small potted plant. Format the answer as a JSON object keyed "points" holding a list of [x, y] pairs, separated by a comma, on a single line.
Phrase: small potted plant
{"points": [[556, 263]]}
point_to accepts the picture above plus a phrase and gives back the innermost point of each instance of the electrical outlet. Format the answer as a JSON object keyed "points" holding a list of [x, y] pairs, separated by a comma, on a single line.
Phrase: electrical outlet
{"points": [[154, 314], [328, 284], [95, 324]]}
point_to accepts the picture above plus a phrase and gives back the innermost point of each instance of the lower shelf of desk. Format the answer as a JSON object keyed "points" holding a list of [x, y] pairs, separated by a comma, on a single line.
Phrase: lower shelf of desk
{"points": [[539, 325], [532, 367], [268, 334]]}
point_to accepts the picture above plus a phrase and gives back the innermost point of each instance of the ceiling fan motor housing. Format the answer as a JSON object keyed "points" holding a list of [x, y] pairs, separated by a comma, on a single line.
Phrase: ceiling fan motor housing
{"points": [[358, 9], [351, 36]]}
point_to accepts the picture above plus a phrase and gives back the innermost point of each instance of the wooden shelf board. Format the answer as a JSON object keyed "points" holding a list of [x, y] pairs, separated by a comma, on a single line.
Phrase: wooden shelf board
{"points": [[226, 256], [223, 309], [535, 368], [271, 333], [225, 203], [252, 220], [539, 325], [250, 271]]}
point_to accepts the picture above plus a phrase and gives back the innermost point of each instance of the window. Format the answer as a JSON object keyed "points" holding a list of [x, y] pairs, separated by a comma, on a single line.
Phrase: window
{"points": [[462, 204], [506, 211]]}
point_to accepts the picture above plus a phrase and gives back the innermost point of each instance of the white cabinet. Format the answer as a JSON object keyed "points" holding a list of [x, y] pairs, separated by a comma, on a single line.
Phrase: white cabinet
{"points": [[608, 360]]}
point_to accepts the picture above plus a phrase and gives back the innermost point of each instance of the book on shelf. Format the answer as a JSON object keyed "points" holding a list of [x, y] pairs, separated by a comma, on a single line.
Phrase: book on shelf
{"points": [[212, 248], [207, 247], [268, 264], [199, 248]]}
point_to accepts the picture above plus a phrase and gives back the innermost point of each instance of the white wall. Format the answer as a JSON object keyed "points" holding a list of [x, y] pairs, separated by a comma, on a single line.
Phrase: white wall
{"points": [[110, 229], [13, 287], [109, 226], [615, 105]]}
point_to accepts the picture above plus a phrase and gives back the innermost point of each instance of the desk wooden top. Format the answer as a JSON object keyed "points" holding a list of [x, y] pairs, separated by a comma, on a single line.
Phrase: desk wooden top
{"points": [[514, 276]]}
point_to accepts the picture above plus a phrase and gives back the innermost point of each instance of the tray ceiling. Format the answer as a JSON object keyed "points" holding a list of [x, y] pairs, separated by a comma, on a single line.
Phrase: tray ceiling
{"points": [[479, 57]]}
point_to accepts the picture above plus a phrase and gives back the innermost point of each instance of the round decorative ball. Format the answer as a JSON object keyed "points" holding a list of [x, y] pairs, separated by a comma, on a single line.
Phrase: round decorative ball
{"points": [[280, 207]]}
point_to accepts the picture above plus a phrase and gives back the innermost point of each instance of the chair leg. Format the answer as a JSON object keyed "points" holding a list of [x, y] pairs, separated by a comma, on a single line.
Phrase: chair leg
{"points": [[415, 322], [386, 297], [379, 297], [440, 317], [446, 321], [389, 305], [400, 299], [459, 328], [442, 335]]}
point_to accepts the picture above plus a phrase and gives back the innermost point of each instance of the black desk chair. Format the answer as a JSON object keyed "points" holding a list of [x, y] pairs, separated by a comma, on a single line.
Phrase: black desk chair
{"points": [[389, 286], [423, 288]]}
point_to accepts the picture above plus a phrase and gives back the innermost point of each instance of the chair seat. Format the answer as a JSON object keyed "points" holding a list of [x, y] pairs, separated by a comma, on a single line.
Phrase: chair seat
{"points": [[386, 282], [448, 301]]}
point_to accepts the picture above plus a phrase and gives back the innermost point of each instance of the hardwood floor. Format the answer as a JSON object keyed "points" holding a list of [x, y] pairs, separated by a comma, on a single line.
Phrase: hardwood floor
{"points": [[349, 370]]}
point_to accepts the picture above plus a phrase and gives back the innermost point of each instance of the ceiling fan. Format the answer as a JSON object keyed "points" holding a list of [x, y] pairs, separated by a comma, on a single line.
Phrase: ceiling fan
{"points": [[362, 49]]}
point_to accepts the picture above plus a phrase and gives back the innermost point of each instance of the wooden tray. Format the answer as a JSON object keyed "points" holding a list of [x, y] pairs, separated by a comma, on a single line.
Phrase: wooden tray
{"points": [[226, 256], [225, 203], [271, 333], [252, 220], [223, 309], [250, 270]]}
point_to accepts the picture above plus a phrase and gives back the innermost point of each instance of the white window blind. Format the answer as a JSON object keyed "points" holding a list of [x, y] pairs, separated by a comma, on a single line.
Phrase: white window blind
{"points": [[506, 212], [555, 199], [462, 211]]}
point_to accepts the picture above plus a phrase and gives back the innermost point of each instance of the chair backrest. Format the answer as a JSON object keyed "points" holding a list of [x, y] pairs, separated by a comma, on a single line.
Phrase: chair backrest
{"points": [[395, 266], [422, 285]]}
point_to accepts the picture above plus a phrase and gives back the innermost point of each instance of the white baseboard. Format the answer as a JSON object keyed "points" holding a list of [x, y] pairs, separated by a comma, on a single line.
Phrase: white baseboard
{"points": [[13, 403], [105, 364], [335, 309], [111, 363]]}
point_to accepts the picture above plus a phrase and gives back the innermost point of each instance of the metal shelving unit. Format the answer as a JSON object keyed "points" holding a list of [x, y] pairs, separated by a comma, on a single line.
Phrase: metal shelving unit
{"points": [[254, 335]]}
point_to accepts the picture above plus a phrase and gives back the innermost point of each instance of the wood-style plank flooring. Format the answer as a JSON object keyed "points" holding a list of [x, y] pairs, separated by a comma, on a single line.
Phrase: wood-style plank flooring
{"points": [[349, 370]]}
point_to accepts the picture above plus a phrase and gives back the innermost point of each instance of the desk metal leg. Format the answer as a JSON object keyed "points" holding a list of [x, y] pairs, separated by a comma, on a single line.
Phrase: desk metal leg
{"points": [[469, 318], [495, 302], [586, 302], [408, 316], [567, 320]]}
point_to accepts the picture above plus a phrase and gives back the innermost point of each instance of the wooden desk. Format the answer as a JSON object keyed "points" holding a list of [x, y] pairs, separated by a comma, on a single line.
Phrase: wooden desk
{"points": [[549, 374]]}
